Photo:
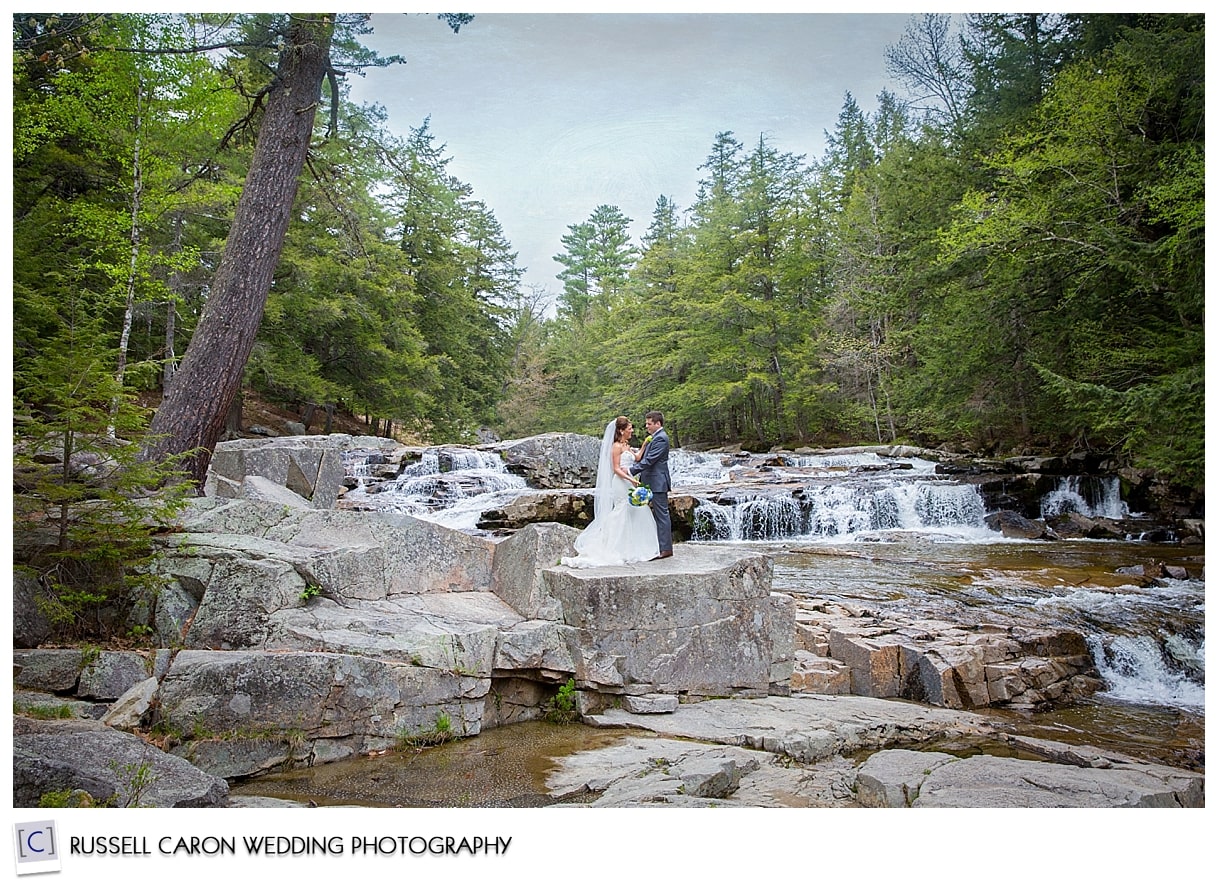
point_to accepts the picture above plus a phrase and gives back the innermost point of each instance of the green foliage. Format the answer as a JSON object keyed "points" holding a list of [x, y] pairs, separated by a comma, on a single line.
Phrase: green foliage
{"points": [[86, 506], [309, 592], [44, 711], [1024, 269], [441, 732], [66, 799], [1020, 265], [134, 781], [563, 708]]}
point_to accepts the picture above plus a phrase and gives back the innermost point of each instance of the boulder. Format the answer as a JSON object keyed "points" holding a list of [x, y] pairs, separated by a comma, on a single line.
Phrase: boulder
{"points": [[458, 632], [893, 778], [537, 648], [48, 670], [129, 711], [873, 657], [310, 467], [650, 703], [819, 675], [700, 623], [263, 489], [248, 711], [44, 705], [114, 768], [1016, 526], [518, 565], [111, 674], [241, 597], [418, 557], [554, 460], [30, 624]]}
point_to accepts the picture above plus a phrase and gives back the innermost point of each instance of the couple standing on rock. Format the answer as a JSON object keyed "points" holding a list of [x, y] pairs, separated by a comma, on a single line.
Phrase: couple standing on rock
{"points": [[625, 529]]}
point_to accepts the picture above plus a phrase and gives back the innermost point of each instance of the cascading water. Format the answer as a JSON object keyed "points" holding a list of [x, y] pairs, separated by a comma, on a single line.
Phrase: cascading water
{"points": [[1143, 670], [843, 511], [1147, 641], [1090, 495], [450, 486]]}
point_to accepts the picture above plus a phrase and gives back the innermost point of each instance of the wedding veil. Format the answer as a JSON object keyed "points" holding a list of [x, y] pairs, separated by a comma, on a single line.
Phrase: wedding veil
{"points": [[602, 500]]}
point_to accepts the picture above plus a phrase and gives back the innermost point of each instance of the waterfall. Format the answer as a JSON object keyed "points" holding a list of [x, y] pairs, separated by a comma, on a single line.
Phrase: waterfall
{"points": [[1141, 670], [841, 510], [691, 469], [1089, 495], [754, 517], [452, 486]]}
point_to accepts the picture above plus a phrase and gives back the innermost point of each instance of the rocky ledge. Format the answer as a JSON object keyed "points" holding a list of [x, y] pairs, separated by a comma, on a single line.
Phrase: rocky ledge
{"points": [[804, 751], [293, 633]]}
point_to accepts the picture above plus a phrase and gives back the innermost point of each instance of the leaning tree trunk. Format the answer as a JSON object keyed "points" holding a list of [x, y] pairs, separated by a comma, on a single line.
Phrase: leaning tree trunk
{"points": [[191, 417]]}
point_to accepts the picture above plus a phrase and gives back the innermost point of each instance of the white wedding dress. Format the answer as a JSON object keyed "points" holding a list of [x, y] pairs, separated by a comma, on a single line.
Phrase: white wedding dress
{"points": [[620, 533]]}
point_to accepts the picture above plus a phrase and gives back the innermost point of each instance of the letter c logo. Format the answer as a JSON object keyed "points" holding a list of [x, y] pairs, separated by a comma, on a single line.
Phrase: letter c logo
{"points": [[29, 841]]}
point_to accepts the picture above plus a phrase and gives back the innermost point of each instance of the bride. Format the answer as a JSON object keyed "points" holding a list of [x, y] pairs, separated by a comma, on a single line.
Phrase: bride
{"points": [[620, 532]]}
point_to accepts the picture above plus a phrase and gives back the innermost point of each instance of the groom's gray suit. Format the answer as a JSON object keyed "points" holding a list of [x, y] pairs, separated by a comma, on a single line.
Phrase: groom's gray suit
{"points": [[652, 470]]}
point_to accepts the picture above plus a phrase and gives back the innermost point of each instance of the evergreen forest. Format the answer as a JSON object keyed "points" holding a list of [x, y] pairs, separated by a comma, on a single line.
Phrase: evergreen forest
{"points": [[1006, 256]]}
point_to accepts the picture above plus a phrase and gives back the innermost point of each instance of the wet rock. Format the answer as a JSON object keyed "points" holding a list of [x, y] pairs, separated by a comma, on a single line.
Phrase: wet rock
{"points": [[807, 728], [664, 772], [1073, 525], [570, 507], [1016, 526]]}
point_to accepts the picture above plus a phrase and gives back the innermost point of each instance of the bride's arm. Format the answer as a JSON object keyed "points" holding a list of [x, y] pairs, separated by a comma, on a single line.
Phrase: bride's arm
{"points": [[617, 463]]}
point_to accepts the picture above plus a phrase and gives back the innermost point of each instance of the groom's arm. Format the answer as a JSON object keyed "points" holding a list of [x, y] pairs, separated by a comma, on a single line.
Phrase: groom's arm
{"points": [[655, 451]]}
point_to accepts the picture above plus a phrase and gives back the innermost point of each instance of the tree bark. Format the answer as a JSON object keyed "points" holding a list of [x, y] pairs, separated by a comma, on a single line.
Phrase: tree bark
{"points": [[191, 417], [137, 194]]}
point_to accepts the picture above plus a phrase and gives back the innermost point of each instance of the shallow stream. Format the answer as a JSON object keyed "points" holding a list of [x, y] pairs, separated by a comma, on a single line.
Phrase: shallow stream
{"points": [[906, 542]]}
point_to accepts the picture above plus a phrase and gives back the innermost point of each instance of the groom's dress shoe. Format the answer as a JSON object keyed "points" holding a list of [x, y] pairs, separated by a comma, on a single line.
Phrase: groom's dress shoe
{"points": [[662, 555]]}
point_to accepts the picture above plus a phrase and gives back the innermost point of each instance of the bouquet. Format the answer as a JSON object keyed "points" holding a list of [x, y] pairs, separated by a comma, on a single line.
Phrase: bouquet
{"points": [[640, 495]]}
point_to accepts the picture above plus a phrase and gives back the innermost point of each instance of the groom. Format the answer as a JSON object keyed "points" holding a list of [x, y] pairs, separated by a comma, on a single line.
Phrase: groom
{"points": [[652, 469]]}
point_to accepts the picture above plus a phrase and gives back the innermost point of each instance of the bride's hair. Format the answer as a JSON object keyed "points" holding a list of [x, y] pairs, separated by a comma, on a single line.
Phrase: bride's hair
{"points": [[619, 427]]}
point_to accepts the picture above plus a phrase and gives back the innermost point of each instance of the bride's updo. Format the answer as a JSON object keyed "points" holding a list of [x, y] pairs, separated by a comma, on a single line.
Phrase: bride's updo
{"points": [[620, 427]]}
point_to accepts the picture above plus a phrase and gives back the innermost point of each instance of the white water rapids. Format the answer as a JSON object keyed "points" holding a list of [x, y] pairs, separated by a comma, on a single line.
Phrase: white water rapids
{"points": [[921, 541]]}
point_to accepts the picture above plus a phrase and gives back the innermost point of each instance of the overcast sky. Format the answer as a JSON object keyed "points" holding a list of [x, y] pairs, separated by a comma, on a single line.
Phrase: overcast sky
{"points": [[548, 115]]}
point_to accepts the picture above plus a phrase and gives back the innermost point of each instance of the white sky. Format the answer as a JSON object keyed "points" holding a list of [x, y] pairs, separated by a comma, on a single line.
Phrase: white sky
{"points": [[548, 115]]}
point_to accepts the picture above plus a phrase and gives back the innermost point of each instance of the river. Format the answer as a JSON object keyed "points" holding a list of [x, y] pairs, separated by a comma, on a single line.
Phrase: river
{"points": [[877, 532]]}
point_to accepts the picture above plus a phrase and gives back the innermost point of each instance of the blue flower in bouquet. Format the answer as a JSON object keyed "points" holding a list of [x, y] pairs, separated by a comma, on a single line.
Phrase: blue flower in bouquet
{"points": [[640, 495]]}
